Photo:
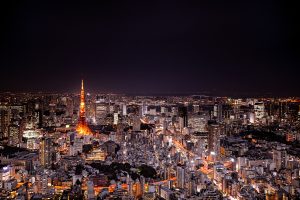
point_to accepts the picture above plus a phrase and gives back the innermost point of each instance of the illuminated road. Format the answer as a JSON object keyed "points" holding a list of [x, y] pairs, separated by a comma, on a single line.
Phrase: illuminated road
{"points": [[181, 147], [204, 170]]}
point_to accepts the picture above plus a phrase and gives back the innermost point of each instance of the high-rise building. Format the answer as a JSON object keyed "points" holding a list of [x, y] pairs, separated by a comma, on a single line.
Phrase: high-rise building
{"points": [[144, 109], [214, 132], [46, 152], [38, 118], [4, 121], [116, 118], [259, 110], [197, 123], [136, 125], [280, 157], [124, 110], [183, 117], [101, 112], [13, 134], [215, 110], [218, 113], [174, 110], [180, 175], [196, 108]]}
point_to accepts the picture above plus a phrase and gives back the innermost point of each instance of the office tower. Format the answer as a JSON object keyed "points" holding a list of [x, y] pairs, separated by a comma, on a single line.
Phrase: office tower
{"points": [[82, 127], [46, 152], [251, 117], [180, 175], [183, 118], [218, 113], [214, 132], [4, 121], [174, 111], [101, 112], [196, 108], [162, 110], [136, 126], [124, 109], [259, 110], [144, 109], [89, 109], [13, 134], [116, 118], [197, 123], [38, 114], [280, 157], [69, 107], [215, 110]]}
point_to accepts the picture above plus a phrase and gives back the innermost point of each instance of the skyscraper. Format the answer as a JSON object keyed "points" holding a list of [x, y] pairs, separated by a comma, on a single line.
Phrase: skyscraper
{"points": [[180, 173], [183, 118], [46, 152], [214, 131], [259, 110], [82, 127], [280, 157], [218, 112], [13, 134], [124, 109], [4, 122]]}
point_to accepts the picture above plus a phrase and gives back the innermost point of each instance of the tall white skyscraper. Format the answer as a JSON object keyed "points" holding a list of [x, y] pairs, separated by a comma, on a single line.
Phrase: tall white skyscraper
{"points": [[124, 110]]}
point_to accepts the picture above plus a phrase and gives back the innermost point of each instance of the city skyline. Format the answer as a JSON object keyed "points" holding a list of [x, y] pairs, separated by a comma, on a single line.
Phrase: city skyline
{"points": [[158, 100], [222, 49]]}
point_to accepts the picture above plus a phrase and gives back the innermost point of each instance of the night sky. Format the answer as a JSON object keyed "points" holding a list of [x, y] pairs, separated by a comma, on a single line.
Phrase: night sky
{"points": [[151, 47]]}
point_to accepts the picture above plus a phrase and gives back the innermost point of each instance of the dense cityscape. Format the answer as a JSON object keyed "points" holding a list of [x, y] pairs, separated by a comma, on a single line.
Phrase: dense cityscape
{"points": [[149, 100], [109, 146]]}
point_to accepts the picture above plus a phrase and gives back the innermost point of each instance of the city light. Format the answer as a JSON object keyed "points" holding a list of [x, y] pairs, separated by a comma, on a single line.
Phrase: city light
{"points": [[148, 100]]}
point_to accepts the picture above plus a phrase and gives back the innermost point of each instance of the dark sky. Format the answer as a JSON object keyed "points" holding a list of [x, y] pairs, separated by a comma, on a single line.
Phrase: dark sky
{"points": [[151, 47]]}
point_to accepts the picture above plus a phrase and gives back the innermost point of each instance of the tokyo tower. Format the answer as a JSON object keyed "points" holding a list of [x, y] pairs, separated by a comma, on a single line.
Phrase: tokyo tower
{"points": [[82, 127]]}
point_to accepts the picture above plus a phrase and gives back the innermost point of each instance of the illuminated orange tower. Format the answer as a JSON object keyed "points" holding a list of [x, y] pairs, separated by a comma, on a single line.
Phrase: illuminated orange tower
{"points": [[82, 127]]}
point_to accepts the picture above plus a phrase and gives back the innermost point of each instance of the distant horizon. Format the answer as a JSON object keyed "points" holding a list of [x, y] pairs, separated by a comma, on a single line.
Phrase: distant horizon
{"points": [[204, 94]]}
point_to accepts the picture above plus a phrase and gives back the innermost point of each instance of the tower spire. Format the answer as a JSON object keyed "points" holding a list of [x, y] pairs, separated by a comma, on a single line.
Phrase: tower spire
{"points": [[82, 126]]}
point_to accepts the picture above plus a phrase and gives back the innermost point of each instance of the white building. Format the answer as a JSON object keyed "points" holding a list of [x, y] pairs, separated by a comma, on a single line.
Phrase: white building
{"points": [[259, 110]]}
